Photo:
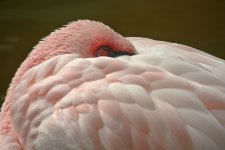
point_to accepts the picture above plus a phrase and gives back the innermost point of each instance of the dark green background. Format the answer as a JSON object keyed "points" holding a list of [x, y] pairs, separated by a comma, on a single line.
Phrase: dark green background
{"points": [[197, 23]]}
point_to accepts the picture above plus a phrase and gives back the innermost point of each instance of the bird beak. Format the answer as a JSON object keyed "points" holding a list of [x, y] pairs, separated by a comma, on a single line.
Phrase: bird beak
{"points": [[117, 54]]}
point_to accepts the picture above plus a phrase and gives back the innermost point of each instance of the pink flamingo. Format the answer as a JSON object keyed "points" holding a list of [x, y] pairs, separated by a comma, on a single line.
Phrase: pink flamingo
{"points": [[65, 97]]}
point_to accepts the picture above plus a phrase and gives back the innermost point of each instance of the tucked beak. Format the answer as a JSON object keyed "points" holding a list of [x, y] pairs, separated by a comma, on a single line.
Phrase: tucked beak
{"points": [[117, 54]]}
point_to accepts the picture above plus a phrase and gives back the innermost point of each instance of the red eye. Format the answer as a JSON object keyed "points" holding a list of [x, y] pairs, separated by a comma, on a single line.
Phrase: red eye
{"points": [[103, 51]]}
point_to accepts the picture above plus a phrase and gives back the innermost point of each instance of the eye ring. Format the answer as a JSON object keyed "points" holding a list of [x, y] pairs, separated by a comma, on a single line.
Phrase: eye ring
{"points": [[103, 51]]}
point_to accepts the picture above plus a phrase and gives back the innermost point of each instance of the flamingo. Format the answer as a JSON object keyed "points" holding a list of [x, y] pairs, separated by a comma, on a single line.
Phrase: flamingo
{"points": [[85, 87]]}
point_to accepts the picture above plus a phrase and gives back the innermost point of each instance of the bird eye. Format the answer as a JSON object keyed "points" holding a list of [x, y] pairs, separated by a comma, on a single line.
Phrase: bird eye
{"points": [[103, 51]]}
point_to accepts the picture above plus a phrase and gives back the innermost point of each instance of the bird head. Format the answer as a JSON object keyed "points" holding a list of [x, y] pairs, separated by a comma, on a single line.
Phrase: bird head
{"points": [[84, 38]]}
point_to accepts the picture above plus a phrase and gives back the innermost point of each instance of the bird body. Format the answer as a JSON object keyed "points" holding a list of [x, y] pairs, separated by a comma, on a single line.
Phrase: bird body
{"points": [[168, 96]]}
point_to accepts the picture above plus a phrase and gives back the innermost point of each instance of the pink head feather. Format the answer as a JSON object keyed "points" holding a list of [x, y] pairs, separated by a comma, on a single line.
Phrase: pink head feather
{"points": [[81, 37]]}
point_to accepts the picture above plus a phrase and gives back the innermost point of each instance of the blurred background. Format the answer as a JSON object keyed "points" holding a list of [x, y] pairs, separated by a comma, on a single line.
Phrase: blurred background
{"points": [[197, 23]]}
